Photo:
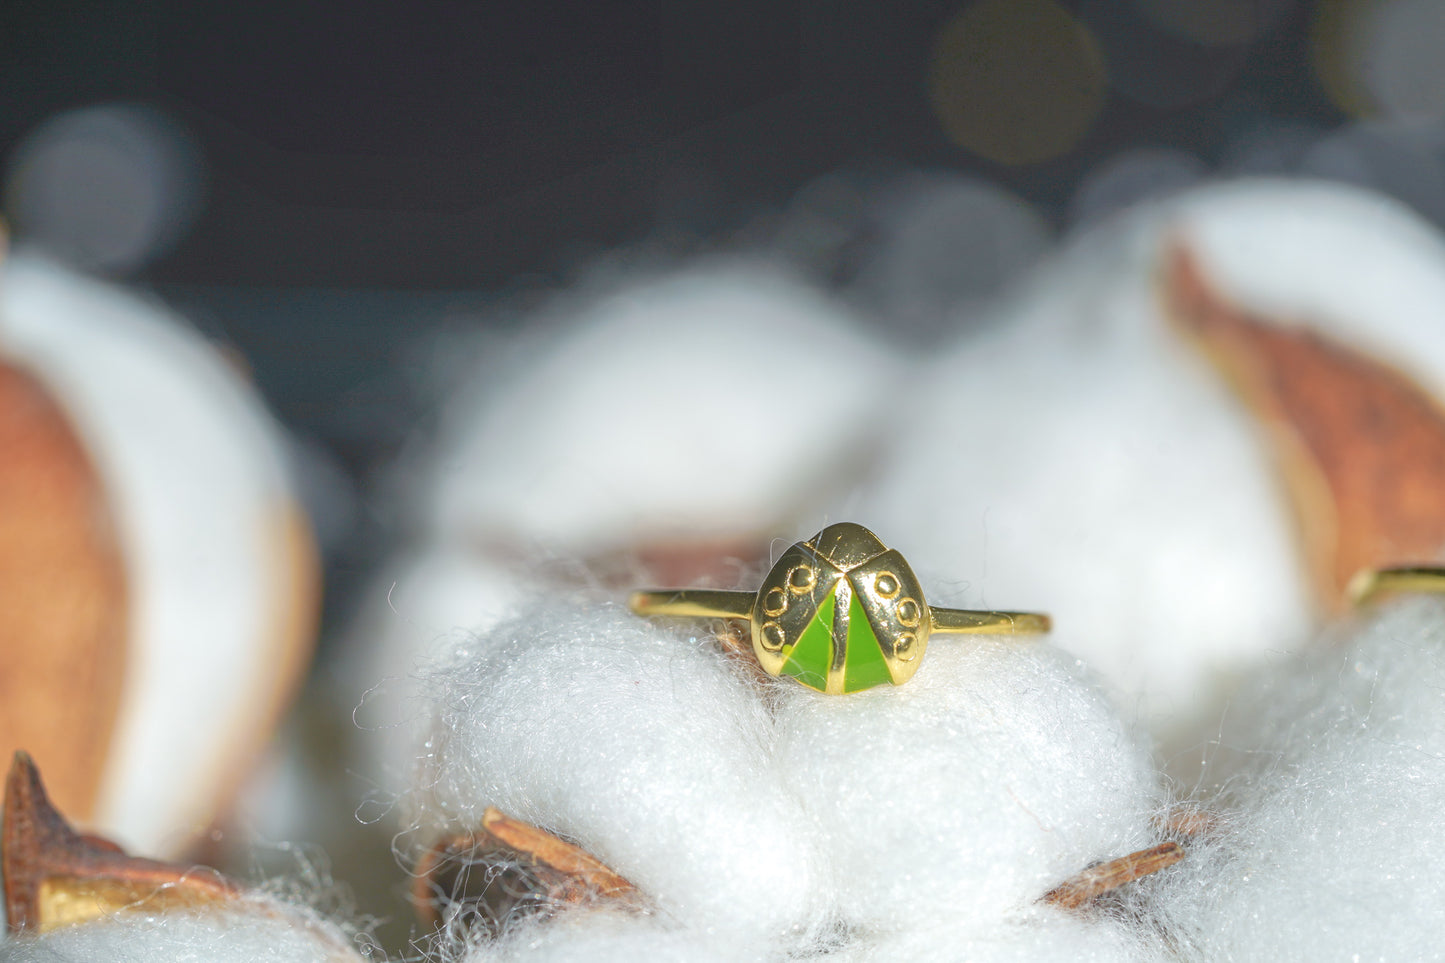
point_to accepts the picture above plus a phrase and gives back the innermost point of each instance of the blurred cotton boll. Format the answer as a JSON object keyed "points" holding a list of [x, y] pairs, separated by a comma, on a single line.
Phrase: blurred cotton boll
{"points": [[1062, 469], [1406, 161], [219, 566], [107, 189], [1084, 459], [710, 402], [947, 244], [1131, 177], [1270, 147], [1394, 56]]}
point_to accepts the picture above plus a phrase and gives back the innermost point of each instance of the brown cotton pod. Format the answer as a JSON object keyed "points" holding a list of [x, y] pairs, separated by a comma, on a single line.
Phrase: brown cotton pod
{"points": [[1102, 879], [151, 521], [1360, 445], [63, 593], [56, 877], [508, 863]]}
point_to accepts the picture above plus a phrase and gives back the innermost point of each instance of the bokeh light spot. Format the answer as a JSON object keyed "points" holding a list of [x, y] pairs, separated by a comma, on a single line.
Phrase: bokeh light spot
{"points": [[944, 245], [107, 188], [1016, 81], [1400, 59], [1381, 59], [1124, 180]]}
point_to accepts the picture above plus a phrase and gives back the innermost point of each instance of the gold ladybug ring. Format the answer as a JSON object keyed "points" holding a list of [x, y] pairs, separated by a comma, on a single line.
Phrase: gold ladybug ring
{"points": [[840, 612]]}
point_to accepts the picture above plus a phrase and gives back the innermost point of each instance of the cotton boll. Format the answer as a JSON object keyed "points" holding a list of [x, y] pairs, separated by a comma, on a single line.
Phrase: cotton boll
{"points": [[1356, 265], [604, 937], [417, 610], [1111, 483], [647, 747], [220, 564], [1040, 935], [1334, 772], [278, 935], [698, 405], [968, 793]]}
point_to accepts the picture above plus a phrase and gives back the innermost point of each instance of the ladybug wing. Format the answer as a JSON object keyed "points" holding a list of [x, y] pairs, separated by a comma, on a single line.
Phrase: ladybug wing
{"points": [[892, 600], [799, 585]]}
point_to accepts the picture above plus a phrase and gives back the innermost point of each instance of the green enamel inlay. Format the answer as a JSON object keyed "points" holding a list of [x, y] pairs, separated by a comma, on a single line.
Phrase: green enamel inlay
{"points": [[864, 665], [810, 656]]}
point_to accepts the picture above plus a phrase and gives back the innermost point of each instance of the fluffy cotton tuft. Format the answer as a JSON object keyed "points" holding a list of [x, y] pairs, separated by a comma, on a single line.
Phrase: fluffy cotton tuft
{"points": [[969, 792], [791, 821], [1042, 935], [600, 936], [663, 409], [282, 936], [1335, 772], [645, 745], [1112, 483]]}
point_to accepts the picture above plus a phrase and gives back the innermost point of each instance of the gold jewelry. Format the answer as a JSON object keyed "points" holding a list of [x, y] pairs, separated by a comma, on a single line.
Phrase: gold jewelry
{"points": [[1373, 584], [840, 612]]}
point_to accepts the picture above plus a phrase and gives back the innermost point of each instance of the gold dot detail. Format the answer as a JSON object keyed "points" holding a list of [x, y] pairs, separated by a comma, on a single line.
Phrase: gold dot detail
{"points": [[886, 585], [775, 603], [802, 579], [903, 649], [908, 612], [773, 637]]}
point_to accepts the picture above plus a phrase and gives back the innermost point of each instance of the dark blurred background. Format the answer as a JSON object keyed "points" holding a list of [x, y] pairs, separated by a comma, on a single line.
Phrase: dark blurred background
{"points": [[318, 184]]}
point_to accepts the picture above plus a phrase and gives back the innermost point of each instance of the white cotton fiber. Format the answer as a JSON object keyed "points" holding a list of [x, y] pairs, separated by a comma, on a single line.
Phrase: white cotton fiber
{"points": [[601, 936], [705, 403], [1043, 934], [1040, 935], [643, 744], [419, 608], [1334, 772], [279, 935], [1110, 481], [968, 793], [1081, 457], [768, 820]]}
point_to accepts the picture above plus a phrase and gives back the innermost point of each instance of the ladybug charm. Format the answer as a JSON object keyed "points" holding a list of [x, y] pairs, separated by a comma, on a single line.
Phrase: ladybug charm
{"points": [[841, 612]]}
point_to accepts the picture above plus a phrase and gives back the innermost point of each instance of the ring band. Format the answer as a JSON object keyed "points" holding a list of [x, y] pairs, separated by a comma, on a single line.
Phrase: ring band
{"points": [[840, 612], [1373, 584]]}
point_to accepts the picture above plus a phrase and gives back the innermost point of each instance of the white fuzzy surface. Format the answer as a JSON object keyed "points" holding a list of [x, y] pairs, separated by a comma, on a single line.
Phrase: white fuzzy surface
{"points": [[1107, 480], [277, 935], [601, 936], [1356, 265], [993, 775], [193, 469], [1041, 935], [1079, 457], [420, 607], [662, 409], [790, 821], [1335, 771], [641, 744]]}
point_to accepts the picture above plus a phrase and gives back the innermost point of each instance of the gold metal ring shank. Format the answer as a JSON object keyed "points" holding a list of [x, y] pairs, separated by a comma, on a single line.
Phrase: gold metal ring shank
{"points": [[1373, 584], [840, 612], [708, 604]]}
